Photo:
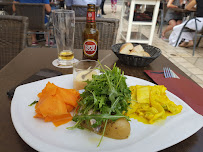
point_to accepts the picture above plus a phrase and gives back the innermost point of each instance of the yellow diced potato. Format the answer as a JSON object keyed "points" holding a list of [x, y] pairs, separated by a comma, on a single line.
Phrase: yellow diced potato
{"points": [[150, 103], [143, 94], [133, 90]]}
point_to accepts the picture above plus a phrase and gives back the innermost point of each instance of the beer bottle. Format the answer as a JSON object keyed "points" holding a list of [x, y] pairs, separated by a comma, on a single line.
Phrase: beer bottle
{"points": [[90, 35]]}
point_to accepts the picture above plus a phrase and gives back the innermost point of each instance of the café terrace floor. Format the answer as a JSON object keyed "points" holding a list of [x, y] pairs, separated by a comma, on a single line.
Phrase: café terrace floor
{"points": [[181, 57]]}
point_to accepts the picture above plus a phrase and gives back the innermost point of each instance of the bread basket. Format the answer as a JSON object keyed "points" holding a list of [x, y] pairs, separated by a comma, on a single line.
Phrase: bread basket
{"points": [[133, 60]]}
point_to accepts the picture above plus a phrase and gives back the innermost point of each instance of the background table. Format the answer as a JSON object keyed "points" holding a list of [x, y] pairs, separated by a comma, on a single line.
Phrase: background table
{"points": [[186, 13], [31, 60], [143, 39]]}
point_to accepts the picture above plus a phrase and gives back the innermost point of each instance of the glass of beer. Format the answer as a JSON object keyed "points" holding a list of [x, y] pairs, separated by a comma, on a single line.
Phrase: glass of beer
{"points": [[64, 29]]}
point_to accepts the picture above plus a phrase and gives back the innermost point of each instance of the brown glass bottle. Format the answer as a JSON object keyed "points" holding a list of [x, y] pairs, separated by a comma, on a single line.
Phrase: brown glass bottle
{"points": [[90, 35]]}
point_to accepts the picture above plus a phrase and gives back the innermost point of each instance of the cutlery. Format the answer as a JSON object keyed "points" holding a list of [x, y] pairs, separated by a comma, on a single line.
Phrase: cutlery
{"points": [[168, 73], [157, 72], [175, 76]]}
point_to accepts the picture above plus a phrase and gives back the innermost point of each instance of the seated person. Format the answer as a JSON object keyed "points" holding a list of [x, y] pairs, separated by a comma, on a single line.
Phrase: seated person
{"points": [[81, 11], [173, 18], [188, 36], [53, 5], [47, 8]]}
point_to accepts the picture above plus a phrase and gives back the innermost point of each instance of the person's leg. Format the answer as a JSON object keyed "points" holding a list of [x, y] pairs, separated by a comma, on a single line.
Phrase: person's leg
{"points": [[115, 6], [99, 13], [178, 22], [102, 7], [34, 40], [188, 39], [48, 42], [190, 44], [172, 23], [112, 6], [187, 44]]}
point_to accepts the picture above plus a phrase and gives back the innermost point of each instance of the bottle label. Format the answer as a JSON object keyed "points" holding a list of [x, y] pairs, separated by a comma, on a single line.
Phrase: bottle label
{"points": [[90, 17], [90, 47]]}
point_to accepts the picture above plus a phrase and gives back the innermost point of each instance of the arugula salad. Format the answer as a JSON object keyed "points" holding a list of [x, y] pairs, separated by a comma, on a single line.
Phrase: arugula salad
{"points": [[106, 98]]}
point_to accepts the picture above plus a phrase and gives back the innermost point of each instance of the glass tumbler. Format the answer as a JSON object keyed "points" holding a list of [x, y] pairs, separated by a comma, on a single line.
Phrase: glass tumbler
{"points": [[64, 29], [83, 71]]}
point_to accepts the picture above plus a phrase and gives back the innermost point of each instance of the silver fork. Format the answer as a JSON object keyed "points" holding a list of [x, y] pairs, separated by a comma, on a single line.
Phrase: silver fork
{"points": [[168, 73]]}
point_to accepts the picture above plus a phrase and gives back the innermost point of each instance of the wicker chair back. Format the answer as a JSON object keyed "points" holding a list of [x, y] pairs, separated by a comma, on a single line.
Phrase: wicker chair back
{"points": [[13, 31], [6, 6], [35, 12], [81, 10], [108, 29]]}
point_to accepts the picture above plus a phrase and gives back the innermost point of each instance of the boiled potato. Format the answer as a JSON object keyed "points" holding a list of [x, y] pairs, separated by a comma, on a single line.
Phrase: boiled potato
{"points": [[119, 129]]}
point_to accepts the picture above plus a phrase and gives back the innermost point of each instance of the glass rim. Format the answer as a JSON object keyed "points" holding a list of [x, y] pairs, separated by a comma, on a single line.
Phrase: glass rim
{"points": [[87, 60], [76, 63], [62, 11]]}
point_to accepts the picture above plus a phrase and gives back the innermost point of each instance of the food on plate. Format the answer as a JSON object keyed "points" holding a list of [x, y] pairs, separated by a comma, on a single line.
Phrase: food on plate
{"points": [[55, 104], [102, 104], [79, 82], [150, 103], [119, 129], [126, 48], [129, 49]]}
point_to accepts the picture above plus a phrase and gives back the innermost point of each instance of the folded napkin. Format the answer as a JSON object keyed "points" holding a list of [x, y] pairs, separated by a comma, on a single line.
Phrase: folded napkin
{"points": [[185, 89]]}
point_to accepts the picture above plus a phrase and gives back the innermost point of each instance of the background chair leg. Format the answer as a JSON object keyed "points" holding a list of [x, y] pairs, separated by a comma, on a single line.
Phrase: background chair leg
{"points": [[161, 25], [48, 38], [158, 29], [194, 47]]}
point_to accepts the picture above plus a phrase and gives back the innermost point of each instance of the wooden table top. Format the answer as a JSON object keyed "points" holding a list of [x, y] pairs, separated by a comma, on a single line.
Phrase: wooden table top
{"points": [[31, 60]]}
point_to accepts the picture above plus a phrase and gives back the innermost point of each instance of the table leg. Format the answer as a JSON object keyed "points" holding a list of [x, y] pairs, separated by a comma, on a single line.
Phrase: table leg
{"points": [[154, 19], [132, 8]]}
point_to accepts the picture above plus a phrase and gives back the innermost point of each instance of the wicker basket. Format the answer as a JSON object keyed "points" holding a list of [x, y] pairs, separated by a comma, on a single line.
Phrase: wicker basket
{"points": [[137, 60]]}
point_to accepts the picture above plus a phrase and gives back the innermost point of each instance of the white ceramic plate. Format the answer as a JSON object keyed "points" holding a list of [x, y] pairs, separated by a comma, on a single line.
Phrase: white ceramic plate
{"points": [[46, 137]]}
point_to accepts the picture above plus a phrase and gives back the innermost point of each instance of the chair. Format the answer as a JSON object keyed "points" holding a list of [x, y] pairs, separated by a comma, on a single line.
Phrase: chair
{"points": [[13, 31], [197, 34], [108, 28], [36, 14], [81, 10], [6, 7]]}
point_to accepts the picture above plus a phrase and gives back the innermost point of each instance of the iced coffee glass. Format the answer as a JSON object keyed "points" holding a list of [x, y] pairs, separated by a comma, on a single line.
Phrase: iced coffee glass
{"points": [[83, 71]]}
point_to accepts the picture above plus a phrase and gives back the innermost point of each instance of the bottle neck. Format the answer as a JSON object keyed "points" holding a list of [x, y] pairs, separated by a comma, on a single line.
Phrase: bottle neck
{"points": [[90, 17], [91, 25]]}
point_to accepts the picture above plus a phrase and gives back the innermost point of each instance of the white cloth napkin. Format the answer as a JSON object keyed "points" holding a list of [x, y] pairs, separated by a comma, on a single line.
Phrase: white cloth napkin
{"points": [[185, 35]]}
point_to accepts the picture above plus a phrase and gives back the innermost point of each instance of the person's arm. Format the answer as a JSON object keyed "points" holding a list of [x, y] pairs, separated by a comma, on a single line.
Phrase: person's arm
{"points": [[47, 6], [98, 2], [69, 3], [191, 5], [170, 4], [14, 8]]}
